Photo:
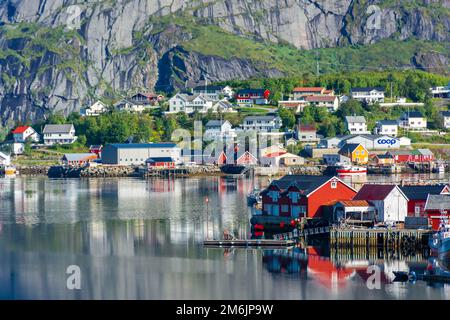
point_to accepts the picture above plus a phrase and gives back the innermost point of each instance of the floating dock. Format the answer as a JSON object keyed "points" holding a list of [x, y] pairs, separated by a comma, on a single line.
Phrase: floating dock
{"points": [[254, 243]]}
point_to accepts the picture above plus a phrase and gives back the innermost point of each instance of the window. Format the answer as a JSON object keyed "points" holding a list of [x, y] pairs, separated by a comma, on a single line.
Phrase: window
{"points": [[417, 211], [284, 208], [333, 185]]}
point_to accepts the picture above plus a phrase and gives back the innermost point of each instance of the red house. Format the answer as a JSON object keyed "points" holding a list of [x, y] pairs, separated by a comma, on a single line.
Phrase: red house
{"points": [[246, 159], [303, 196], [437, 205], [416, 156], [160, 162], [96, 149], [417, 197], [253, 96]]}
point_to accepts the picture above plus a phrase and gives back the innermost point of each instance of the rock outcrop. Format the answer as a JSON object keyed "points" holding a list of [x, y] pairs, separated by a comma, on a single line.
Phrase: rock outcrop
{"points": [[63, 54]]}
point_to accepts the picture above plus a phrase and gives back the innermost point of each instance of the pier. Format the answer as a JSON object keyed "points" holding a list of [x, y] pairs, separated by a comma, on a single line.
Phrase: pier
{"points": [[254, 243], [384, 238]]}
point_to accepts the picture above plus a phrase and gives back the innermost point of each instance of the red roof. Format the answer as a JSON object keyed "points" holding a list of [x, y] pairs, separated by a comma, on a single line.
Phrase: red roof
{"points": [[306, 128], [374, 192], [309, 89], [20, 129], [355, 203]]}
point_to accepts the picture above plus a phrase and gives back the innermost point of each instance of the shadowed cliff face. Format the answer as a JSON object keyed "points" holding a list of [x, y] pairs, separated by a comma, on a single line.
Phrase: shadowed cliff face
{"points": [[69, 54]]}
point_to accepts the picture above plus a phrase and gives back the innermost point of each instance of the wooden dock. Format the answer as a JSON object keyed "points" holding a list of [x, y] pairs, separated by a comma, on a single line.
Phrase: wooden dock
{"points": [[385, 238], [254, 243]]}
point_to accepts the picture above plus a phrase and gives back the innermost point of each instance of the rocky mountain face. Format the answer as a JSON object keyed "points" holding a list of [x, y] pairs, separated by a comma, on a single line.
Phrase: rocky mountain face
{"points": [[62, 54]]}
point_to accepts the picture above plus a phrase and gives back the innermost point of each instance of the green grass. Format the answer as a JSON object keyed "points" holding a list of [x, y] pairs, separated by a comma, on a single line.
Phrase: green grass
{"points": [[214, 41]]}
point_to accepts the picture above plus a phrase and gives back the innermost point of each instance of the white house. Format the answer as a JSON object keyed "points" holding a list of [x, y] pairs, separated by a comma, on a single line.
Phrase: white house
{"points": [[389, 201], [96, 109], [356, 124], [214, 92], [368, 95], [413, 120], [5, 160], [131, 106], [441, 92], [446, 119], [223, 106], [59, 134], [387, 127], [331, 103], [262, 123], [23, 133], [189, 103], [215, 129]]}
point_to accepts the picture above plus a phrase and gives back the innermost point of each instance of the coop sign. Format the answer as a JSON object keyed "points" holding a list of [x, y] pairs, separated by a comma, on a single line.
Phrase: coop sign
{"points": [[390, 142]]}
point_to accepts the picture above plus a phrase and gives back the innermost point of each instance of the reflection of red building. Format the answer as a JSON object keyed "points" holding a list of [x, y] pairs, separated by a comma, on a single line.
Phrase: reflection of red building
{"points": [[326, 272]]}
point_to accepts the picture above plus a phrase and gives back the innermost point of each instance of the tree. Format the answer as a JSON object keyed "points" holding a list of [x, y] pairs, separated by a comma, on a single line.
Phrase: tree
{"points": [[287, 117]]}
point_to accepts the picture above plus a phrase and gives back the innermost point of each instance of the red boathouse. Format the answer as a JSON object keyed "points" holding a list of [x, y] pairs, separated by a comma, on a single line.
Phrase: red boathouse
{"points": [[303, 196]]}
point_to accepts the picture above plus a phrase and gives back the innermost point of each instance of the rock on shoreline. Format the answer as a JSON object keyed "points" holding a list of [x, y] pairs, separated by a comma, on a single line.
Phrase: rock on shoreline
{"points": [[91, 172]]}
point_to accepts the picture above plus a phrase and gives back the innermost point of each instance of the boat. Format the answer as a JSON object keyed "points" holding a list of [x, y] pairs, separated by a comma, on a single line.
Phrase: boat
{"points": [[253, 197], [234, 169], [439, 169], [8, 170], [441, 240], [348, 169]]}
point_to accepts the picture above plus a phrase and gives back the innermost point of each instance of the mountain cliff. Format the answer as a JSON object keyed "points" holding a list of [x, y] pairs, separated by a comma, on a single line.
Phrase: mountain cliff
{"points": [[62, 54]]}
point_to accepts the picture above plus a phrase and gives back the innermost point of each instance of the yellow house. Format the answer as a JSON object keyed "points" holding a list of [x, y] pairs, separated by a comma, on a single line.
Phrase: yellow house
{"points": [[355, 152]]}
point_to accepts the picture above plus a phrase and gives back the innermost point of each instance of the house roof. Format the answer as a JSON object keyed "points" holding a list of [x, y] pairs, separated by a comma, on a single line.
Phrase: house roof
{"points": [[349, 148], [20, 129], [159, 159], [306, 184], [309, 89], [57, 128], [384, 156], [306, 128], [201, 88], [320, 98], [354, 203], [425, 152], [143, 145], [388, 122], [4, 156], [249, 91], [438, 202], [413, 114], [260, 118], [79, 156], [374, 192], [421, 192], [190, 97], [367, 89], [357, 119], [216, 123]]}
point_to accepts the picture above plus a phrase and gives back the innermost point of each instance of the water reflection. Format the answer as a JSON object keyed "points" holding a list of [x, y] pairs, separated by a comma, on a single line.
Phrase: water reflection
{"points": [[142, 239]]}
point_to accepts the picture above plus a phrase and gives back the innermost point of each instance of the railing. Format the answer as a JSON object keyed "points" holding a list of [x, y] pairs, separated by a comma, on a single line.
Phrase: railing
{"points": [[301, 233]]}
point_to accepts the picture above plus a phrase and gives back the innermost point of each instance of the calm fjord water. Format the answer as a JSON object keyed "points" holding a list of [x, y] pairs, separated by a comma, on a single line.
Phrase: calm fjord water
{"points": [[141, 239]]}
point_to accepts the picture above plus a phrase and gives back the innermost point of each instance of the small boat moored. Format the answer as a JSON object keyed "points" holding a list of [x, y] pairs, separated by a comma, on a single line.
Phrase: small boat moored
{"points": [[348, 169]]}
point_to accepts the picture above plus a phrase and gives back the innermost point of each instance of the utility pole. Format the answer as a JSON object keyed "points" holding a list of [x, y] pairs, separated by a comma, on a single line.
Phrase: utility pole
{"points": [[317, 64]]}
